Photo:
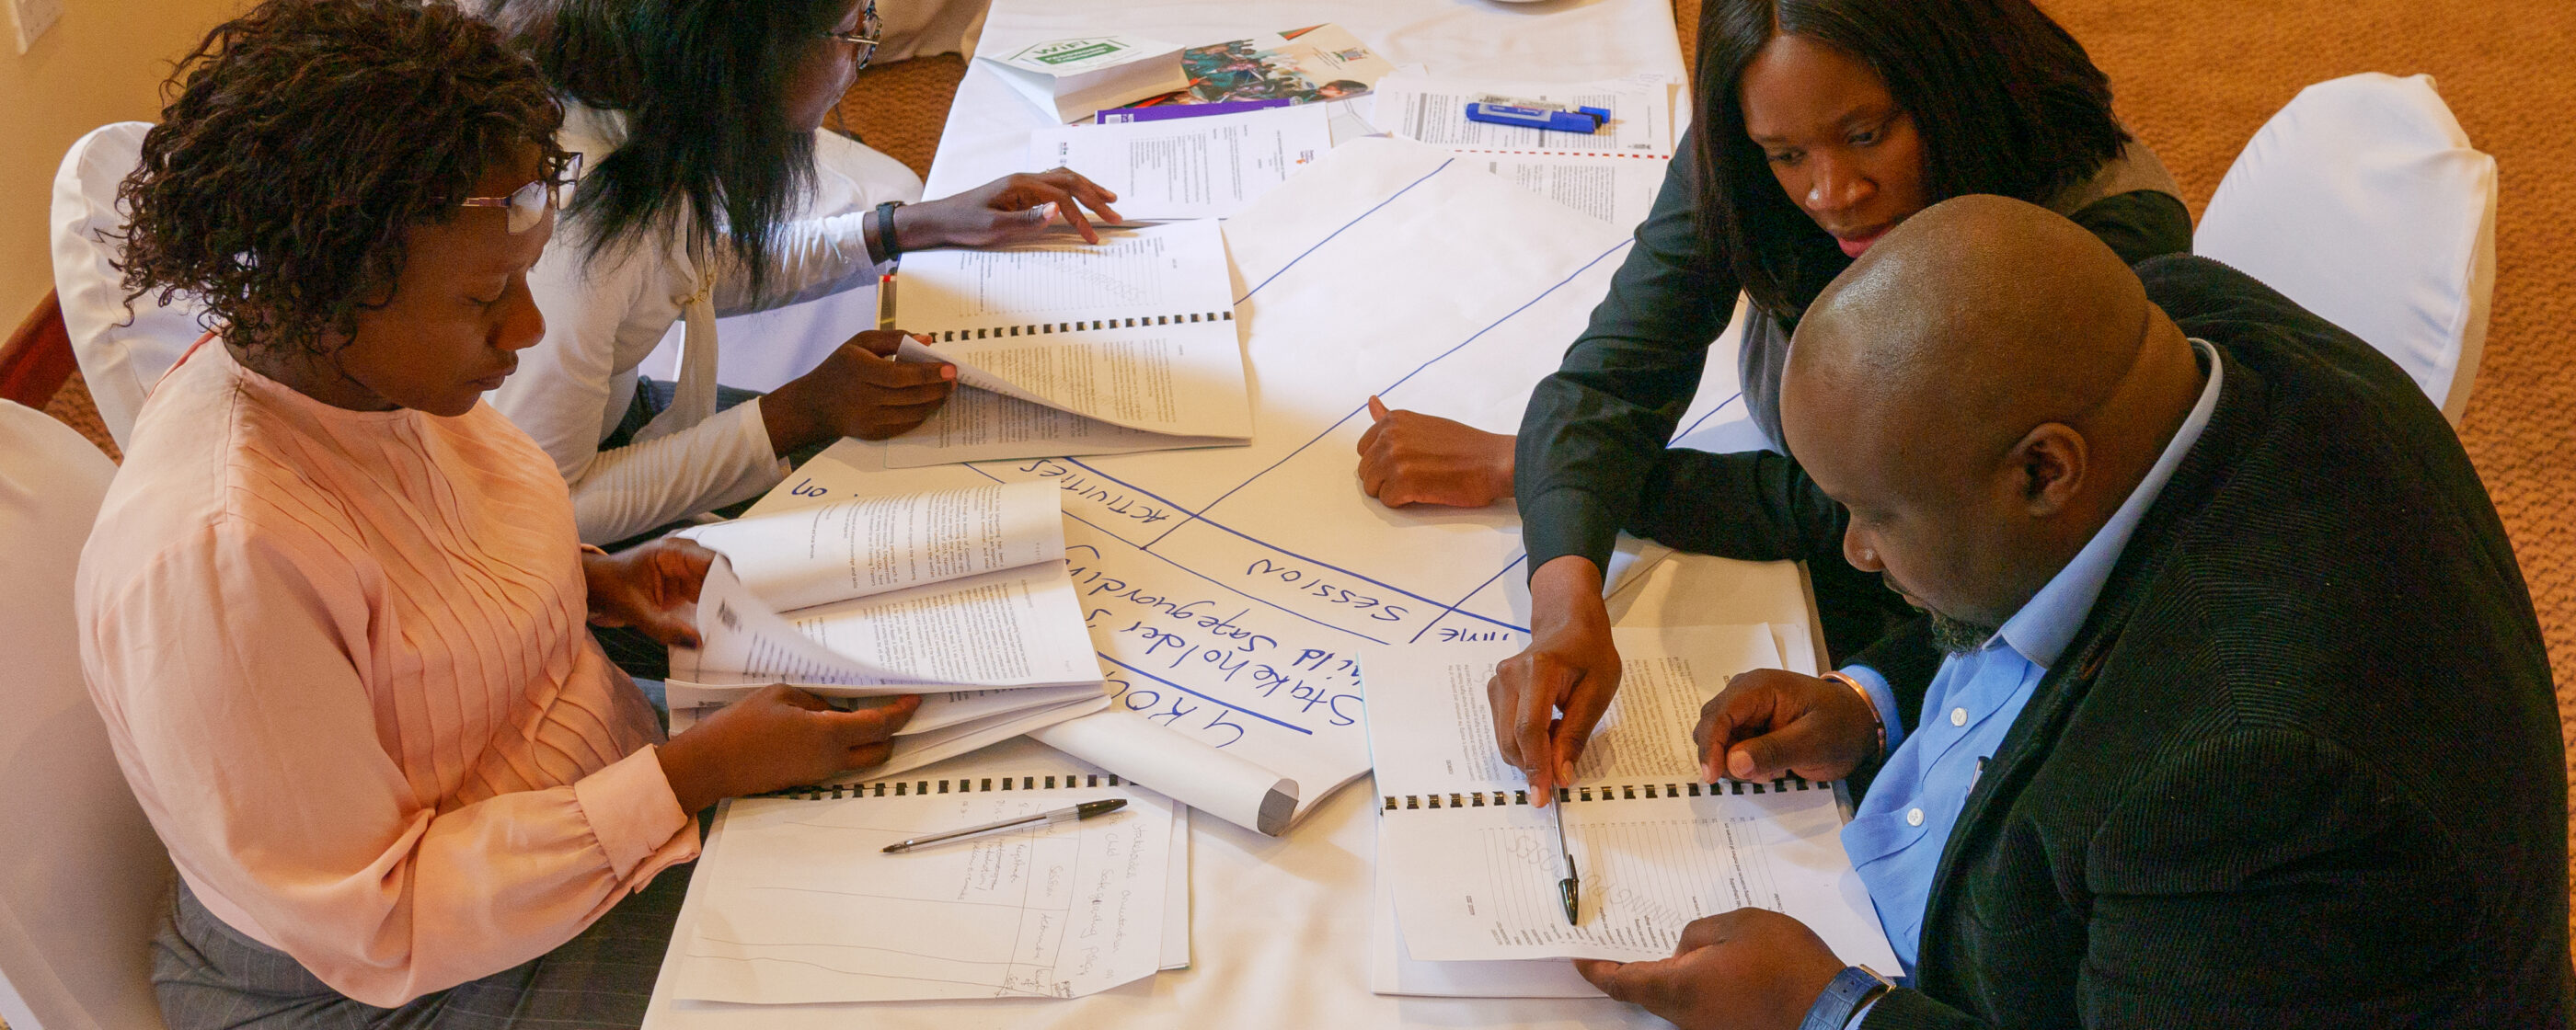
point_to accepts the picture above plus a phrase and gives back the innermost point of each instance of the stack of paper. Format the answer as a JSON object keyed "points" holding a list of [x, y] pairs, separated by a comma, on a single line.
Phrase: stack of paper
{"points": [[795, 901], [958, 595], [1469, 870], [1073, 348], [1072, 78]]}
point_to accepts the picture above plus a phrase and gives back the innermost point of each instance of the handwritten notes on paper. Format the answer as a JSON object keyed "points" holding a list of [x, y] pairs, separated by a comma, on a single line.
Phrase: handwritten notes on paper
{"points": [[1229, 591]]}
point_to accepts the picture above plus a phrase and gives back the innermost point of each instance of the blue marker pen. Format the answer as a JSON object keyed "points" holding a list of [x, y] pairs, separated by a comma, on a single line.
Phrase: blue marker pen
{"points": [[1584, 121]]}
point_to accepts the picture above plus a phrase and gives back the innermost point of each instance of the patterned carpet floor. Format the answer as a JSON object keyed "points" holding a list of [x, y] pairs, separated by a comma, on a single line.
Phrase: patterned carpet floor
{"points": [[2195, 79]]}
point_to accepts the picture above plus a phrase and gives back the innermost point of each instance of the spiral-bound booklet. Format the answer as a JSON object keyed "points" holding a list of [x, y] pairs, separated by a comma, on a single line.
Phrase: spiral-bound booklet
{"points": [[1473, 867], [795, 900], [1076, 348]]}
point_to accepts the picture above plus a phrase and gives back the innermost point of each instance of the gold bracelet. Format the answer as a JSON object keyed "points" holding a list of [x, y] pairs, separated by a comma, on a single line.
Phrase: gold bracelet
{"points": [[1876, 720]]}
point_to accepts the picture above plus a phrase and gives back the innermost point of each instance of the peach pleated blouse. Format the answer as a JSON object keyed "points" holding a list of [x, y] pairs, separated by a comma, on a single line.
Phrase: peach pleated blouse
{"points": [[343, 661]]}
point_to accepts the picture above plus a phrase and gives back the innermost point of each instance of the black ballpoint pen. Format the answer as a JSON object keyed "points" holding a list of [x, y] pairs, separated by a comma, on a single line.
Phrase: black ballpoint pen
{"points": [[1084, 810]]}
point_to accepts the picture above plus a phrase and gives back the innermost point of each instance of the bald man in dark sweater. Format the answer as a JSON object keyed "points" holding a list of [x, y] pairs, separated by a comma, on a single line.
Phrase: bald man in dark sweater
{"points": [[2228, 706]]}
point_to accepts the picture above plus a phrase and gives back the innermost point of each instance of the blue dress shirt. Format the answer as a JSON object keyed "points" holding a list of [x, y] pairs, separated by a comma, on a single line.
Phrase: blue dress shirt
{"points": [[1896, 837]]}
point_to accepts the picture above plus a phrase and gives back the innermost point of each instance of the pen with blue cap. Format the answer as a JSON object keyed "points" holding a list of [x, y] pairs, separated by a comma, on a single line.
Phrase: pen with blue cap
{"points": [[1537, 114]]}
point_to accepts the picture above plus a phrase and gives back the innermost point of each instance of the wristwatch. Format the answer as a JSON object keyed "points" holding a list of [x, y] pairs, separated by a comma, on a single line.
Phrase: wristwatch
{"points": [[885, 230], [1850, 989]]}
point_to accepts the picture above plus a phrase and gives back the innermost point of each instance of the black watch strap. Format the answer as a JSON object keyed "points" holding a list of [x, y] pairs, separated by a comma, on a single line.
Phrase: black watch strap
{"points": [[885, 230], [1844, 995]]}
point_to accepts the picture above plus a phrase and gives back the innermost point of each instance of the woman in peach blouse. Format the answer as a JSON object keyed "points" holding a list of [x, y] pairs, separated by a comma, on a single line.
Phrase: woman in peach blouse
{"points": [[333, 609]]}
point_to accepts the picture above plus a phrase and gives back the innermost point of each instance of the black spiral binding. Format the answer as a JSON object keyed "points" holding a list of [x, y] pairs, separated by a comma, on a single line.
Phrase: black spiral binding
{"points": [[960, 785], [1606, 792], [1051, 328]]}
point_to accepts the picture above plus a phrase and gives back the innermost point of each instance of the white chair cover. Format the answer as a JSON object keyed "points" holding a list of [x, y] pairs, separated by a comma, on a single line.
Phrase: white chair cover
{"points": [[122, 352], [2363, 201], [83, 880]]}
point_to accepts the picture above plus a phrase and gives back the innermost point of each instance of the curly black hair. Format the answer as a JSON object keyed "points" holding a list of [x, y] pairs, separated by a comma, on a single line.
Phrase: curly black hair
{"points": [[303, 139]]}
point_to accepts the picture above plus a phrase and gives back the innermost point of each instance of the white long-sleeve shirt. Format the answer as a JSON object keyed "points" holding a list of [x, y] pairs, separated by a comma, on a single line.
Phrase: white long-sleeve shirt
{"points": [[605, 314]]}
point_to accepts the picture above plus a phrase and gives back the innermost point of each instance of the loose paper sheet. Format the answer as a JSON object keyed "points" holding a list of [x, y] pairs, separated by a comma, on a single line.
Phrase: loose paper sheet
{"points": [[1612, 176], [1434, 110], [798, 903], [1189, 167]]}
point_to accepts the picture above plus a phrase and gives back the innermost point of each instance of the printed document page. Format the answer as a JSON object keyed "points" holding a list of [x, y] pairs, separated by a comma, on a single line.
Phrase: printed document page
{"points": [[1481, 883], [1612, 176], [1474, 868], [1431, 730], [1013, 628], [872, 545], [1137, 331], [795, 902], [1617, 189], [1433, 110], [1206, 167]]}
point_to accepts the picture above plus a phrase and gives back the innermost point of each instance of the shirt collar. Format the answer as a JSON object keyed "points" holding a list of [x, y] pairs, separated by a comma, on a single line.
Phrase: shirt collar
{"points": [[2045, 624]]}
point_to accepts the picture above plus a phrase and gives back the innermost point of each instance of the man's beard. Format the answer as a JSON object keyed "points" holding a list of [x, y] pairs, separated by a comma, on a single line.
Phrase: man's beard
{"points": [[1951, 634], [1958, 636]]}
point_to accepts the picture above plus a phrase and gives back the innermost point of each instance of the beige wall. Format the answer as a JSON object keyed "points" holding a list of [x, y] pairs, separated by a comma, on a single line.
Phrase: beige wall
{"points": [[103, 62]]}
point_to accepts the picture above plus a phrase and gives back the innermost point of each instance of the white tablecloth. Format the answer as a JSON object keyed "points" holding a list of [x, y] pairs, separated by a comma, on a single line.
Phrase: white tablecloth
{"points": [[1280, 926]]}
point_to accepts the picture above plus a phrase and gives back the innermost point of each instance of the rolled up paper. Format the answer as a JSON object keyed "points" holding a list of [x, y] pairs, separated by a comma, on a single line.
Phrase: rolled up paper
{"points": [[1202, 777]]}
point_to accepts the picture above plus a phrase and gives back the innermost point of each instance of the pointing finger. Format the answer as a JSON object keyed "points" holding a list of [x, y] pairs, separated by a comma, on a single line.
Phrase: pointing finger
{"points": [[1377, 409]]}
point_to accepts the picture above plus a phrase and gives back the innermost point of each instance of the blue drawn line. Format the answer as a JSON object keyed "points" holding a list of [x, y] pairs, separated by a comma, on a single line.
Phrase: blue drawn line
{"points": [[1480, 588], [1292, 262], [1712, 412], [1147, 548], [1113, 534], [1346, 572], [1203, 697], [1417, 370]]}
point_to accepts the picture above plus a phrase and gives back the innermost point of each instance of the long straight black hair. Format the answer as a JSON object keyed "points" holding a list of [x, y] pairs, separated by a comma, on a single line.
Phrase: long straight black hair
{"points": [[703, 84], [2005, 100]]}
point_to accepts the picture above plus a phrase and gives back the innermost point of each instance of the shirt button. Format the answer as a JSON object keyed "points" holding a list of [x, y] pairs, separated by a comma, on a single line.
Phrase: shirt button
{"points": [[1914, 817], [1958, 717]]}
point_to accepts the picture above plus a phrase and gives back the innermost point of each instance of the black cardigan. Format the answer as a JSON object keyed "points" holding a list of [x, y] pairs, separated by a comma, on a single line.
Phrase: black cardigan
{"points": [[2301, 767]]}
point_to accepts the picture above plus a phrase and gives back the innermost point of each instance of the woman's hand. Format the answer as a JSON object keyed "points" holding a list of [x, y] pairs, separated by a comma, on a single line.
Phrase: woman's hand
{"points": [[859, 390], [645, 586], [1005, 210], [777, 738], [1407, 457]]}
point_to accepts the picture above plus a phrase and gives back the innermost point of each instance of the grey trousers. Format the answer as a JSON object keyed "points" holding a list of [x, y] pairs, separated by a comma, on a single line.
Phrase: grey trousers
{"points": [[212, 977]]}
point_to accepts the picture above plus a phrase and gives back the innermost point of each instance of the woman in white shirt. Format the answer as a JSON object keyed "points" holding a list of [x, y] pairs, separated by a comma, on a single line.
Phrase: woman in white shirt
{"points": [[697, 123]]}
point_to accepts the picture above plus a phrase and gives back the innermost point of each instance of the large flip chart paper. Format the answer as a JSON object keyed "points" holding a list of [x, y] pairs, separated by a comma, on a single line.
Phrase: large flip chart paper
{"points": [[1228, 592]]}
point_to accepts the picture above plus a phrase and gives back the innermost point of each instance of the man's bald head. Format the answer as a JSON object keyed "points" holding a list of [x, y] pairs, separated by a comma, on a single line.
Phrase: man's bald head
{"points": [[1995, 372]]}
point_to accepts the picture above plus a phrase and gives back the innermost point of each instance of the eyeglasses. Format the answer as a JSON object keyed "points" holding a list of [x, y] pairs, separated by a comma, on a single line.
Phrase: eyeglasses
{"points": [[528, 204], [866, 38]]}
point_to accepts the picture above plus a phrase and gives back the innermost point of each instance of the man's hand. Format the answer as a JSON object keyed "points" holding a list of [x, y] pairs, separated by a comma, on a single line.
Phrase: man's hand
{"points": [[1005, 210], [1407, 457], [644, 586], [858, 390], [777, 738], [1547, 698], [1750, 969], [1771, 721]]}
